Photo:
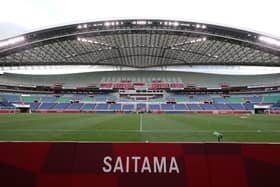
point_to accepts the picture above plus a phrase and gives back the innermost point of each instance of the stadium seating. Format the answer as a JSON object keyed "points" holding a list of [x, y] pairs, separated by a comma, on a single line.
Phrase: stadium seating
{"points": [[218, 100], [11, 97], [30, 98], [46, 106], [115, 107], [154, 107], [64, 99], [194, 107], [181, 107], [236, 106], [128, 107], [234, 99], [114, 103], [74, 106], [271, 99], [141, 107], [88, 107], [48, 99], [167, 107], [60, 106], [208, 107], [175, 79], [253, 99], [101, 107], [220, 106]]}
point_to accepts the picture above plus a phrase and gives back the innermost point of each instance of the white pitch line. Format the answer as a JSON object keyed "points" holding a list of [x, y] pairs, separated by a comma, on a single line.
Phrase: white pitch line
{"points": [[131, 130], [141, 123]]}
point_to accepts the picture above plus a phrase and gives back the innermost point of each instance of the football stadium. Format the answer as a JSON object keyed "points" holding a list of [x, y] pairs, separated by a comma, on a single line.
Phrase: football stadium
{"points": [[140, 97], [140, 89]]}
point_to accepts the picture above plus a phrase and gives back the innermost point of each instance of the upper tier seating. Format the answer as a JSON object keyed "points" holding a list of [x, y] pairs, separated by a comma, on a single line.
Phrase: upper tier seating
{"points": [[234, 99], [85, 79], [271, 99], [48, 99], [30, 98], [253, 99], [11, 97]]}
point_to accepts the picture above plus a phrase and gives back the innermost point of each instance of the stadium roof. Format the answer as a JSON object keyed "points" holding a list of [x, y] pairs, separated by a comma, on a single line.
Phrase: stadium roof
{"points": [[140, 44]]}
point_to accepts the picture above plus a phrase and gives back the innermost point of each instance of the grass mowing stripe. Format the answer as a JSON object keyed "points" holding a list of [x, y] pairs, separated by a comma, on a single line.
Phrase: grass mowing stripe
{"points": [[125, 127]]}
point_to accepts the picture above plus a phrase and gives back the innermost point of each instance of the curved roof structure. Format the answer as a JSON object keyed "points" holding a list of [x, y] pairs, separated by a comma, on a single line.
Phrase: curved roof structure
{"points": [[140, 44]]}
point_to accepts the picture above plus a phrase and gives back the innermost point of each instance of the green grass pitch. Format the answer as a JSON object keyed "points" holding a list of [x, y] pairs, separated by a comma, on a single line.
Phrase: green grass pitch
{"points": [[128, 127]]}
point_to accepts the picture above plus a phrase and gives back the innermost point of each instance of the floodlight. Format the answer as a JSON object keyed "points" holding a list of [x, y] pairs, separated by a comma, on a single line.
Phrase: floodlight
{"points": [[270, 41], [107, 24], [141, 22], [12, 41], [176, 24]]}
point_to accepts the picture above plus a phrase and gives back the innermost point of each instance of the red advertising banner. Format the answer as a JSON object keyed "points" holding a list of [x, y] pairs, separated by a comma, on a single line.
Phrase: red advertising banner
{"points": [[139, 164]]}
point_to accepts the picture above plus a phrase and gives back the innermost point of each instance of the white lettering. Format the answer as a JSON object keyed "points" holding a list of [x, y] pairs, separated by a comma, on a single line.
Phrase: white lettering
{"points": [[140, 164], [107, 162], [127, 164], [173, 165], [160, 167], [136, 158], [118, 165], [146, 165]]}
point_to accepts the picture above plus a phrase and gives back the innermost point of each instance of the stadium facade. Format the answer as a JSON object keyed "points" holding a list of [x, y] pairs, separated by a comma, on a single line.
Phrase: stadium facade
{"points": [[148, 49]]}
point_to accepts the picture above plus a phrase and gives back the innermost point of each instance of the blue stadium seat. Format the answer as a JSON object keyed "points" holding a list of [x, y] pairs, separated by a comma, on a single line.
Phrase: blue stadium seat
{"points": [[128, 107], [74, 106], [11, 97], [154, 107], [249, 106], [46, 106], [222, 107], [194, 107], [167, 107], [208, 106], [115, 107], [180, 107], [141, 107], [101, 106], [88, 107], [254, 99], [218, 100], [48, 99], [236, 106], [61, 106]]}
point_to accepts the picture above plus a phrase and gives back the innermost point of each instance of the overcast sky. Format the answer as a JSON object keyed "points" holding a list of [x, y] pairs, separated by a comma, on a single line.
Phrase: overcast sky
{"points": [[23, 15]]}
